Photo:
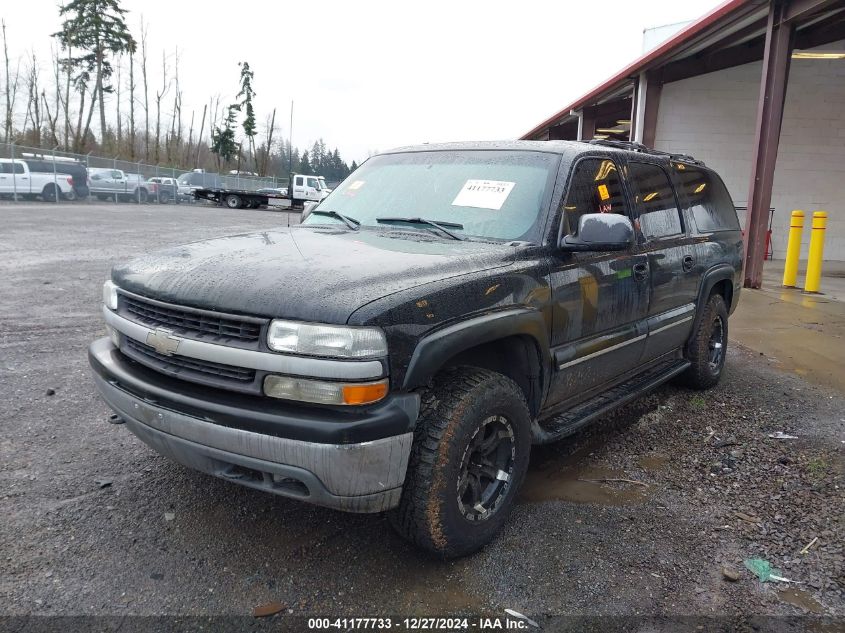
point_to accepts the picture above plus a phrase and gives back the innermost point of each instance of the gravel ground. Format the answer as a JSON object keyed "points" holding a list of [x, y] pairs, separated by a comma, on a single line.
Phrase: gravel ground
{"points": [[95, 523]]}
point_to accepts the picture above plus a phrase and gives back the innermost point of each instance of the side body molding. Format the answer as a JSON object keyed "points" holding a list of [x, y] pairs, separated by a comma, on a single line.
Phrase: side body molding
{"points": [[436, 348]]}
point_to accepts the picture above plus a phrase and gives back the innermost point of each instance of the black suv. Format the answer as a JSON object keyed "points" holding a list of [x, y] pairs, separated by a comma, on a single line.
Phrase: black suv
{"points": [[445, 308]]}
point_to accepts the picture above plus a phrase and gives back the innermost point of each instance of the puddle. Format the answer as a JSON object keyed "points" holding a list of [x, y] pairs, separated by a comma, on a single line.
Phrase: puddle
{"points": [[653, 462], [801, 599], [431, 588], [564, 478]]}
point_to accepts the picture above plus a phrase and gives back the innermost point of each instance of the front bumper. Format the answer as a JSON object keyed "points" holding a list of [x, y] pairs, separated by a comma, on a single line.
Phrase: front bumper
{"points": [[362, 476]]}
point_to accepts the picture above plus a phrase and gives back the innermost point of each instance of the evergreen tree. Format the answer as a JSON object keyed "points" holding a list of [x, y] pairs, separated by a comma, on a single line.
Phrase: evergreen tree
{"points": [[246, 95], [223, 138], [96, 28], [304, 164]]}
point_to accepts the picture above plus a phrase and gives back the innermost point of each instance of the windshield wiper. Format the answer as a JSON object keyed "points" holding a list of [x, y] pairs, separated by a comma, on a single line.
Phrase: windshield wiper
{"points": [[442, 226], [352, 223]]}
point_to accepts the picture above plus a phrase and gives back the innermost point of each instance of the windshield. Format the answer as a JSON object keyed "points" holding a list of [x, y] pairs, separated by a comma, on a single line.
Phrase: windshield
{"points": [[492, 194]]}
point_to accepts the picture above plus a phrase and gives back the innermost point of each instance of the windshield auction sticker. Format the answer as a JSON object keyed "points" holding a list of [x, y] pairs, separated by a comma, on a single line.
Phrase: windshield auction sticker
{"points": [[483, 194]]}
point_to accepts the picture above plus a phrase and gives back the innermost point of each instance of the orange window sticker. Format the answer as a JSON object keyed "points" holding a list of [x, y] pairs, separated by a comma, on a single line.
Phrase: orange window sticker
{"points": [[604, 194]]}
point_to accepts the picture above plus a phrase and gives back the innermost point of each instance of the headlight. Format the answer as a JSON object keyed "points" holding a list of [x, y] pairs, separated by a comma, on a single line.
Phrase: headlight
{"points": [[322, 392], [326, 340], [110, 295]]}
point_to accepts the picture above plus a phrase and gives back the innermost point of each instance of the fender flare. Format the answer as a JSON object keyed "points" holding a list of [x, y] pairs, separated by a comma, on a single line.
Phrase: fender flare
{"points": [[436, 348], [716, 274]]}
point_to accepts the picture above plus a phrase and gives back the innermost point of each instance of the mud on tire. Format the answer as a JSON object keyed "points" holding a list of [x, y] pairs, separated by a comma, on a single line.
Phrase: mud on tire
{"points": [[707, 346], [469, 457]]}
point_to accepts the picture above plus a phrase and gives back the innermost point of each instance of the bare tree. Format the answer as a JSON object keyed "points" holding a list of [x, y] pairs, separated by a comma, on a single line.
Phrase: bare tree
{"points": [[270, 130], [165, 86], [131, 105], [33, 105], [11, 87], [199, 138], [187, 157], [68, 79], [53, 118], [117, 100], [146, 91]]}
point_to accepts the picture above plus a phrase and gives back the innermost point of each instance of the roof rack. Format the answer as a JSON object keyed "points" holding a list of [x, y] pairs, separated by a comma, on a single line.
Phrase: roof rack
{"points": [[639, 147]]}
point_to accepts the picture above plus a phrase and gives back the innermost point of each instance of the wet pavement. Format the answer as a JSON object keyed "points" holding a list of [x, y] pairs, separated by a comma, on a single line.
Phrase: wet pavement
{"points": [[800, 333], [639, 514]]}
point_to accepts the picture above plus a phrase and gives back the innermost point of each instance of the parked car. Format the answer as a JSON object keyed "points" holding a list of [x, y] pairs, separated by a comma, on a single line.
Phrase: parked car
{"points": [[106, 183], [167, 188], [193, 180], [17, 178], [445, 308], [66, 166]]}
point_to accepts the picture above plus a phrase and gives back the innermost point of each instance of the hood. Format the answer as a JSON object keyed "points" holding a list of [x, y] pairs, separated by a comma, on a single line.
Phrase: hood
{"points": [[315, 274]]}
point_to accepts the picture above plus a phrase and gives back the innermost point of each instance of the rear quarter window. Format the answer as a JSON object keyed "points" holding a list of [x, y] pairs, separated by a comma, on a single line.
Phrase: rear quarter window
{"points": [[707, 198]]}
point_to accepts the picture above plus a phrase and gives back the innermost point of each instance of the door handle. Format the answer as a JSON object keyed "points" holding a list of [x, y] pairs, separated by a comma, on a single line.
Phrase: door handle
{"points": [[640, 271], [688, 263]]}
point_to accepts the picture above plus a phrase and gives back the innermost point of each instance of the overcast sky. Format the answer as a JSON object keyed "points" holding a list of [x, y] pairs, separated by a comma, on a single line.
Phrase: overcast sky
{"points": [[368, 76]]}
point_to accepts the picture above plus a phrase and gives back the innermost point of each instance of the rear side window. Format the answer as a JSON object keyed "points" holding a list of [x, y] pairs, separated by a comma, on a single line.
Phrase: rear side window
{"points": [[708, 199], [654, 201], [13, 168], [595, 187]]}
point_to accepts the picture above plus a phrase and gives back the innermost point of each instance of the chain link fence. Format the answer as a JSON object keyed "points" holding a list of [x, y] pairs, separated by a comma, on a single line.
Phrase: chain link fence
{"points": [[81, 167]]}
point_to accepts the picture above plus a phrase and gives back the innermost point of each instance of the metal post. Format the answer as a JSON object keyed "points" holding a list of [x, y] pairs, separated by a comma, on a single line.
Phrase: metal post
{"points": [[114, 167], [139, 182], [14, 174], [812, 281], [55, 179], [793, 249], [776, 55]]}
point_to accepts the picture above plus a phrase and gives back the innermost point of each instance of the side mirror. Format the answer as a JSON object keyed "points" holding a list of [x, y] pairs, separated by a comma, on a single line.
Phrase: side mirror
{"points": [[600, 232]]}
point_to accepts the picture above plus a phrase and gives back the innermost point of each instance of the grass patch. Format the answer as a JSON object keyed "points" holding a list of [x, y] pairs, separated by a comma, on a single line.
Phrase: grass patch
{"points": [[817, 467], [698, 402]]}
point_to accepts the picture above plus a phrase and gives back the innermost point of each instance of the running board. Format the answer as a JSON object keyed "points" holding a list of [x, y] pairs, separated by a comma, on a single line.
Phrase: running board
{"points": [[585, 412]]}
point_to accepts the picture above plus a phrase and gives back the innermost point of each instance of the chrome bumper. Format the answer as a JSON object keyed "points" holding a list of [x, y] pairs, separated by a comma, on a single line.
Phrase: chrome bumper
{"points": [[365, 477]]}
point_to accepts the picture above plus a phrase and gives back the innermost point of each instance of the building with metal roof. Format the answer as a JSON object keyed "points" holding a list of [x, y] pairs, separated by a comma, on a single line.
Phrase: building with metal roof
{"points": [[756, 89]]}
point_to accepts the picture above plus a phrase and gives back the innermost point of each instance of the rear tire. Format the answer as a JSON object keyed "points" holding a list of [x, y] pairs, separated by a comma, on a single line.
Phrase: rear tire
{"points": [[164, 197], [707, 346], [468, 461], [232, 201], [49, 193]]}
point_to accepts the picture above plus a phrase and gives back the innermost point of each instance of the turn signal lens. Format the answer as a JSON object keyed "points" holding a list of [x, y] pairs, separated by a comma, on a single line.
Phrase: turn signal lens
{"points": [[322, 392], [364, 394]]}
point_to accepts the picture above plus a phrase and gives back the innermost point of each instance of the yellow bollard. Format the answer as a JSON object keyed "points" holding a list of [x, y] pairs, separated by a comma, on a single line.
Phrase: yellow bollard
{"points": [[814, 260], [793, 249]]}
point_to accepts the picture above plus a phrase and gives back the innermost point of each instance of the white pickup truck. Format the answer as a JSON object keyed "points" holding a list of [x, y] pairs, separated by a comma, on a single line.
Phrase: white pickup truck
{"points": [[117, 184], [16, 178]]}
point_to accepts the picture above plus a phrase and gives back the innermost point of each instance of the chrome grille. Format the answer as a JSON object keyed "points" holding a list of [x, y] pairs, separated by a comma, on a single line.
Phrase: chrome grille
{"points": [[189, 368]]}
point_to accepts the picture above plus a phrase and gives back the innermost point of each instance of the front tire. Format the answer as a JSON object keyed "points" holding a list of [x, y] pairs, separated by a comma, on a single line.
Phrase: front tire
{"points": [[708, 345], [232, 201], [469, 458]]}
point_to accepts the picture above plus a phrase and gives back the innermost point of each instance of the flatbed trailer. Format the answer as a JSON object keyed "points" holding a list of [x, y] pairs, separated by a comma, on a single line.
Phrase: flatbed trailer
{"points": [[242, 199]]}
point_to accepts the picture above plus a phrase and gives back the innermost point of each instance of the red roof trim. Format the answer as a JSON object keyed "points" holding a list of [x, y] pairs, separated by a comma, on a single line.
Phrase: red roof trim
{"points": [[705, 21]]}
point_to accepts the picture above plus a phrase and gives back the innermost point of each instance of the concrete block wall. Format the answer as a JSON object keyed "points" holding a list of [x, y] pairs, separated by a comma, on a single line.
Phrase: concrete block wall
{"points": [[712, 117]]}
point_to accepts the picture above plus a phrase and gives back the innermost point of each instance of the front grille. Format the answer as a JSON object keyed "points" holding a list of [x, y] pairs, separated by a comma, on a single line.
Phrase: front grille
{"points": [[189, 368], [202, 323]]}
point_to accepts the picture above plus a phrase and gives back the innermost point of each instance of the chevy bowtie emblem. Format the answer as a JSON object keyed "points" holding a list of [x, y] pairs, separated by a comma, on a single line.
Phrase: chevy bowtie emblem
{"points": [[163, 341]]}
